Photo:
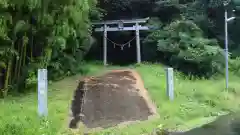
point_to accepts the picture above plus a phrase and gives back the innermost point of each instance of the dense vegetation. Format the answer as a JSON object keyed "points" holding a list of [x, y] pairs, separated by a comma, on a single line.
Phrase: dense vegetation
{"points": [[182, 44], [56, 35], [188, 35], [48, 34]]}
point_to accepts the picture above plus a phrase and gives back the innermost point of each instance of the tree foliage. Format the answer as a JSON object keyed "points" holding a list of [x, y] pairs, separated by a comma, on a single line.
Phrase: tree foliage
{"points": [[126, 9], [183, 45], [186, 35], [53, 34]]}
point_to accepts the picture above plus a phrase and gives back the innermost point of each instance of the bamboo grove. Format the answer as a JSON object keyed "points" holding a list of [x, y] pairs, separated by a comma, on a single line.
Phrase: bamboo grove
{"points": [[52, 34]]}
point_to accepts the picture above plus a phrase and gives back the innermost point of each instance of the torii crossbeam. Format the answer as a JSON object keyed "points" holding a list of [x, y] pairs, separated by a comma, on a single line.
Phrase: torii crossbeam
{"points": [[120, 27]]}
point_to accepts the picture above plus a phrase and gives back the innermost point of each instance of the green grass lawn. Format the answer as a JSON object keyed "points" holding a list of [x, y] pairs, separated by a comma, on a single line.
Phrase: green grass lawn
{"points": [[196, 101], [18, 115]]}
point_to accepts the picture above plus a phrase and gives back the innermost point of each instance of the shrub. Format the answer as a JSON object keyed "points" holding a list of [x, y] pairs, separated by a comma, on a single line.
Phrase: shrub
{"points": [[183, 46], [234, 65]]}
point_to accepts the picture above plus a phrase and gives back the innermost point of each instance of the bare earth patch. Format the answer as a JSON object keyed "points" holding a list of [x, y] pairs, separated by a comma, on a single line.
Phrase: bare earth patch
{"points": [[115, 98]]}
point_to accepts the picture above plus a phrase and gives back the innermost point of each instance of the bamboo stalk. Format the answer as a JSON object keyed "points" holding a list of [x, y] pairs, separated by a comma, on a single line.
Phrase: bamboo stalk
{"points": [[16, 66], [7, 77], [25, 41], [20, 64]]}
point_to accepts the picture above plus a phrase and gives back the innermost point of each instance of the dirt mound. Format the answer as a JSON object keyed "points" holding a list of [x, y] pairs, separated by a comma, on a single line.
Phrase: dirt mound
{"points": [[111, 99]]}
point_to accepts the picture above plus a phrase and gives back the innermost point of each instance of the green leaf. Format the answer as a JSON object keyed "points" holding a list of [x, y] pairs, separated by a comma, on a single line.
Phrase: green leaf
{"points": [[21, 25], [3, 65]]}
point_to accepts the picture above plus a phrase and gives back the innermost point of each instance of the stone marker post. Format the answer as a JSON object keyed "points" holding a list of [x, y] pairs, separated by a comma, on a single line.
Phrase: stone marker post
{"points": [[170, 86], [42, 92]]}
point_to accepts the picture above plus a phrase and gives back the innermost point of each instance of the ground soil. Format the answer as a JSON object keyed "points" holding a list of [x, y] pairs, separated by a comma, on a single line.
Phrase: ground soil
{"points": [[111, 99]]}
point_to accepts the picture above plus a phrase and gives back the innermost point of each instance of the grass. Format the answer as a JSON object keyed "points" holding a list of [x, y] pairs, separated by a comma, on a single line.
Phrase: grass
{"points": [[18, 115], [196, 101]]}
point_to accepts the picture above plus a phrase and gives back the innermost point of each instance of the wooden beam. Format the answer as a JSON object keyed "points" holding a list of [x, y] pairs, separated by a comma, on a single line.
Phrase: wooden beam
{"points": [[144, 20], [124, 29]]}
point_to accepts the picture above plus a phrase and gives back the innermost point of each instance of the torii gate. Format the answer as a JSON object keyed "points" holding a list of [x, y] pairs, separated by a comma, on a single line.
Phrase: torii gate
{"points": [[120, 27]]}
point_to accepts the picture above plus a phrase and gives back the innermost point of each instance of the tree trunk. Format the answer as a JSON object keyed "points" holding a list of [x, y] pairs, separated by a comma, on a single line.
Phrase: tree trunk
{"points": [[7, 78]]}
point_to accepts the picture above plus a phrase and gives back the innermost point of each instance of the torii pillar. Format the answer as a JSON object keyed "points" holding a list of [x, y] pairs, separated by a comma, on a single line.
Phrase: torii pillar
{"points": [[138, 47], [105, 45]]}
